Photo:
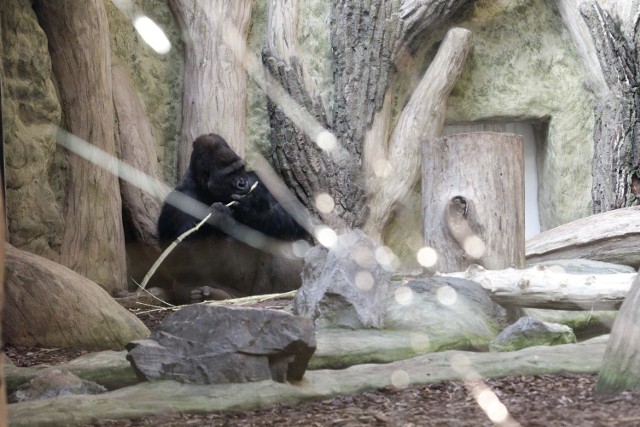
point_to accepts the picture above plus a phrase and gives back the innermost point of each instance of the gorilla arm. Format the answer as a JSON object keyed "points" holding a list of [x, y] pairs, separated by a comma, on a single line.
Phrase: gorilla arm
{"points": [[262, 212]]}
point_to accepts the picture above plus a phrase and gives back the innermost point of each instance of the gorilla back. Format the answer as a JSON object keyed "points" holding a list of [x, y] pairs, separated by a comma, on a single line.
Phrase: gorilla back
{"points": [[211, 259]]}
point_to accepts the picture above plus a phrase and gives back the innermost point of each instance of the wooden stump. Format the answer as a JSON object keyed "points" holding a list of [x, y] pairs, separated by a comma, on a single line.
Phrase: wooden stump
{"points": [[473, 200]]}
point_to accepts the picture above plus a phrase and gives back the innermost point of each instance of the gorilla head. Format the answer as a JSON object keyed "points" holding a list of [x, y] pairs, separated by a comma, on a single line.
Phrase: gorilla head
{"points": [[217, 170]]}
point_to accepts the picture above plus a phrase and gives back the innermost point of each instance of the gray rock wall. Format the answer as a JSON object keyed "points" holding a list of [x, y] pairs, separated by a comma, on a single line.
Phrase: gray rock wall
{"points": [[34, 188]]}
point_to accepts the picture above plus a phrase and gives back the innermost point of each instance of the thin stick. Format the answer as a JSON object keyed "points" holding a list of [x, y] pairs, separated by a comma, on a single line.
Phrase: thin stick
{"points": [[253, 299], [179, 239], [141, 289]]}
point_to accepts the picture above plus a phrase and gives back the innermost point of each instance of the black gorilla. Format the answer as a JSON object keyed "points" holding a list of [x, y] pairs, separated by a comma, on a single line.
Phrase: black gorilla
{"points": [[210, 259]]}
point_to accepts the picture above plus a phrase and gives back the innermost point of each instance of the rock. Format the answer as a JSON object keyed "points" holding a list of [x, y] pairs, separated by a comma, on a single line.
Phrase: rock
{"points": [[54, 383], [449, 312], [585, 266], [49, 305], [344, 286], [529, 332], [585, 324], [207, 344]]}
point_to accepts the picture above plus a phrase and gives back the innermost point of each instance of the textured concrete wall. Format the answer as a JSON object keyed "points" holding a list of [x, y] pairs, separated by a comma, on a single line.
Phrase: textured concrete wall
{"points": [[523, 66], [34, 186], [157, 77]]}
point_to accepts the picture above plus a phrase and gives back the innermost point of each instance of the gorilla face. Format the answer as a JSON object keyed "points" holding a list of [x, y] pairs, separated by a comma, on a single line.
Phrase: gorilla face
{"points": [[218, 169]]}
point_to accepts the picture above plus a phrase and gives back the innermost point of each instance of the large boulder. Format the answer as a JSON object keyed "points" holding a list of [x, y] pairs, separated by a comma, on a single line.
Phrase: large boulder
{"points": [[49, 305], [207, 344], [445, 312], [346, 285]]}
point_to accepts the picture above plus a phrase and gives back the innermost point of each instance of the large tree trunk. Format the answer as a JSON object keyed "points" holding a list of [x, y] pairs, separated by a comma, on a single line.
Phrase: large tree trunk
{"points": [[214, 97], [473, 198], [93, 243], [621, 364], [616, 161], [138, 150], [3, 388], [3, 238], [367, 37]]}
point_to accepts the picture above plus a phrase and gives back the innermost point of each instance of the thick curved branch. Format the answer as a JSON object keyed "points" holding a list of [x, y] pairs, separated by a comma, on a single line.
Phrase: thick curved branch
{"points": [[422, 118]]}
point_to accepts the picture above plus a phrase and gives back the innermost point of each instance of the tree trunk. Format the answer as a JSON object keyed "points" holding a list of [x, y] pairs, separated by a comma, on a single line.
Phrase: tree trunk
{"points": [[3, 237], [621, 364], [214, 97], [93, 242], [616, 158], [609, 236], [138, 150], [473, 198], [366, 39]]}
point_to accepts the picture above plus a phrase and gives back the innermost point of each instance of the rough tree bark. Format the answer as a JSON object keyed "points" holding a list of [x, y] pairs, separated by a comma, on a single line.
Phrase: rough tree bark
{"points": [[366, 39], [214, 95], [3, 238], [3, 228], [616, 161], [93, 242]]}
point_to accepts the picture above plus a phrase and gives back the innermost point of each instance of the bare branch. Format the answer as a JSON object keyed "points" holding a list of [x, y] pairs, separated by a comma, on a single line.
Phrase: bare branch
{"points": [[422, 118]]}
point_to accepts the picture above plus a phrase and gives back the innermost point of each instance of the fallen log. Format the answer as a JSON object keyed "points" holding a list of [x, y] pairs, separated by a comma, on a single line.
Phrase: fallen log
{"points": [[545, 287], [611, 236]]}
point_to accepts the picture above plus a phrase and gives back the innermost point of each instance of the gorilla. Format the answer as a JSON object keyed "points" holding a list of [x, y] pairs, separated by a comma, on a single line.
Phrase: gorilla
{"points": [[212, 263]]}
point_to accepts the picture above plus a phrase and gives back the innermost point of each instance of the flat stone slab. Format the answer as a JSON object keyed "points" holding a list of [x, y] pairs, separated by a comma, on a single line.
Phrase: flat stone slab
{"points": [[147, 399]]}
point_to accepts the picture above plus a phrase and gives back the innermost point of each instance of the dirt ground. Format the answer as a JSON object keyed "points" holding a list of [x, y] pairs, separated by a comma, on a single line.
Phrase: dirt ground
{"points": [[544, 400]]}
